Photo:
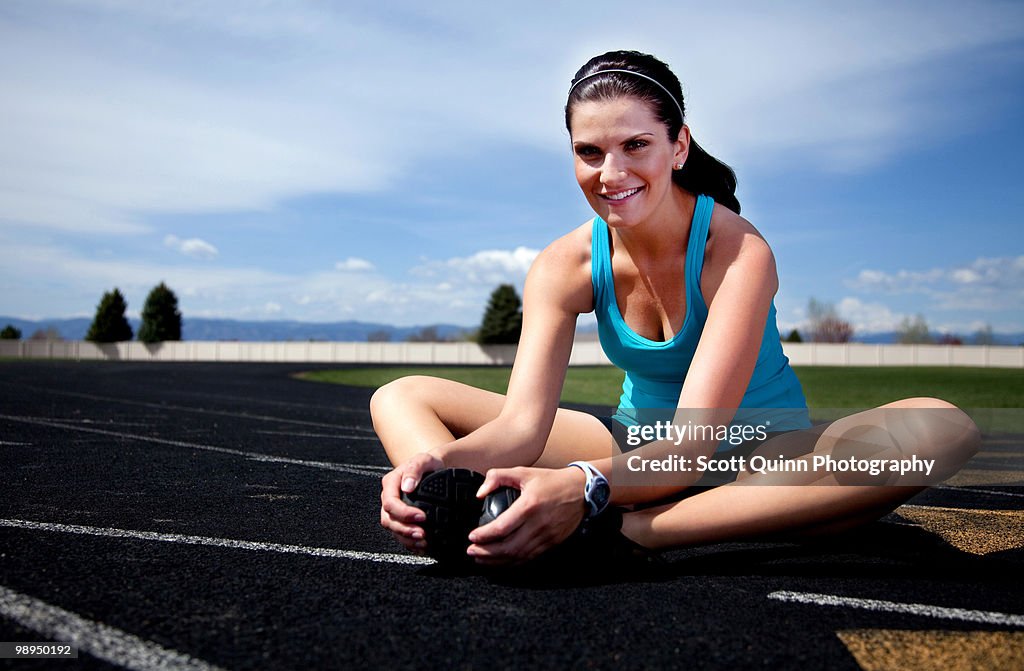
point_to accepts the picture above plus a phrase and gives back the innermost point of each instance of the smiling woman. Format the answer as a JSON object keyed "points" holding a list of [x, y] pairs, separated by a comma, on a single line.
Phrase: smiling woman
{"points": [[683, 291], [613, 79]]}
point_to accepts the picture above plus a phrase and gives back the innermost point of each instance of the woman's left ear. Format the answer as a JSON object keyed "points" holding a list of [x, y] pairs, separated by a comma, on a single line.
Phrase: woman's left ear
{"points": [[682, 148]]}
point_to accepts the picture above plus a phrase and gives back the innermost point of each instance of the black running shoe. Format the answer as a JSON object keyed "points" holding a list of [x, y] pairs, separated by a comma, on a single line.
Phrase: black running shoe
{"points": [[449, 499], [597, 553], [497, 502], [598, 545], [602, 536]]}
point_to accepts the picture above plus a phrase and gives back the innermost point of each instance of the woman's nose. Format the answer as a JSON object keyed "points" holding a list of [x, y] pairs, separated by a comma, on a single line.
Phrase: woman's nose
{"points": [[612, 169]]}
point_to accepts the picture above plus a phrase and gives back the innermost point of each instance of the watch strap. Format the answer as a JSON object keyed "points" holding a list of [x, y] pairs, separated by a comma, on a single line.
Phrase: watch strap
{"points": [[593, 475]]}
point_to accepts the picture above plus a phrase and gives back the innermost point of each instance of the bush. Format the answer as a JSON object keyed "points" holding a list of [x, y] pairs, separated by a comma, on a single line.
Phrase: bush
{"points": [[48, 334], [914, 331], [826, 325], [10, 333]]}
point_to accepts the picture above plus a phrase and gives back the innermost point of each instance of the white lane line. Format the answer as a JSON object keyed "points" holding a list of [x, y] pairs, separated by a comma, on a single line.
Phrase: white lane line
{"points": [[333, 436], [962, 614], [254, 456], [97, 639], [980, 491], [380, 557]]}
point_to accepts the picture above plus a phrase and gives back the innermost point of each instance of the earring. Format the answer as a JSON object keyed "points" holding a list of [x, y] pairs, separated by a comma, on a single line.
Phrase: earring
{"points": [[677, 166]]}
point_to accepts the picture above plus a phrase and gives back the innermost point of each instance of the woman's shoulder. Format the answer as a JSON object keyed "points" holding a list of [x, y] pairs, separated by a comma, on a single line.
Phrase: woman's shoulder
{"points": [[571, 250], [563, 267], [731, 236], [734, 242]]}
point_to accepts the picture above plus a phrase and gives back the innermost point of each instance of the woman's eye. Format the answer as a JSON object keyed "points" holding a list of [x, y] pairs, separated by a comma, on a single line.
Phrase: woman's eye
{"points": [[586, 152], [635, 145]]}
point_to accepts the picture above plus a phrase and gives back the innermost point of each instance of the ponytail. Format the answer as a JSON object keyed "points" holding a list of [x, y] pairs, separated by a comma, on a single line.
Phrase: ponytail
{"points": [[703, 173]]}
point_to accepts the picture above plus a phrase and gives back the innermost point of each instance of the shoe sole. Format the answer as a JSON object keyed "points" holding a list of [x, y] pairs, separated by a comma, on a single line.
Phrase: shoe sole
{"points": [[449, 500]]}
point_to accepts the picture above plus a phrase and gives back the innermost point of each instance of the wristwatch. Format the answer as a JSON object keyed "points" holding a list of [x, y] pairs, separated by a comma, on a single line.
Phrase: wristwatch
{"points": [[596, 492]]}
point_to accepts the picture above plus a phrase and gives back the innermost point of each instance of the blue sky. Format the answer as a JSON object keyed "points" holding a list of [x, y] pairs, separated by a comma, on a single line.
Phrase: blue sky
{"points": [[394, 162]]}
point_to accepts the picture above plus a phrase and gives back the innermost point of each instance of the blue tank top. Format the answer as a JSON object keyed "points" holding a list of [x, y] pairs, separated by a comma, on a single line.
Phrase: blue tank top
{"points": [[655, 370]]}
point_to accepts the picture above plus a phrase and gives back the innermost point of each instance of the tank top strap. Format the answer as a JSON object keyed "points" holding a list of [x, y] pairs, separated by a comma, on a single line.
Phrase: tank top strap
{"points": [[699, 228], [600, 260]]}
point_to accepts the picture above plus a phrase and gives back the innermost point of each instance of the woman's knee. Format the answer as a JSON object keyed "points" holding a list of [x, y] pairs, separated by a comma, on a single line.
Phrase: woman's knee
{"points": [[938, 430], [397, 395]]}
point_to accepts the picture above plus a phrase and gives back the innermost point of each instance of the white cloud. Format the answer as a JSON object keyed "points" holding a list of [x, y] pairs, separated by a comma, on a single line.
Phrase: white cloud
{"points": [[122, 109], [987, 283], [487, 267], [868, 317], [242, 292], [902, 281], [192, 247], [865, 317], [354, 265]]}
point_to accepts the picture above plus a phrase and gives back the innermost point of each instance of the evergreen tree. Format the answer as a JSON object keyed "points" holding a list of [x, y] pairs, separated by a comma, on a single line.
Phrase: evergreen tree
{"points": [[503, 320], [10, 333], [161, 320], [110, 324]]}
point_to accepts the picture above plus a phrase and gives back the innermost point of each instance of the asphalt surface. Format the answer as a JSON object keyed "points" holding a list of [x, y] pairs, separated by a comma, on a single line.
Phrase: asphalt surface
{"points": [[226, 515]]}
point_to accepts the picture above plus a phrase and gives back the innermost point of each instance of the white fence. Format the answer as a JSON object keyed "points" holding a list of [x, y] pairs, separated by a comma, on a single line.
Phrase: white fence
{"points": [[584, 353], [857, 354]]}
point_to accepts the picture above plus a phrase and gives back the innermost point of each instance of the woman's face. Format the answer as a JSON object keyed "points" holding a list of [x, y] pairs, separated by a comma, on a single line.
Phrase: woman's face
{"points": [[624, 159]]}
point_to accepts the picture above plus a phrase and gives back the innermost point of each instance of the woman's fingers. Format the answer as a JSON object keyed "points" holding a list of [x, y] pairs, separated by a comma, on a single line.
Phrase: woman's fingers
{"points": [[396, 515], [409, 536], [505, 525], [502, 477], [401, 511], [405, 478], [521, 545], [399, 527]]}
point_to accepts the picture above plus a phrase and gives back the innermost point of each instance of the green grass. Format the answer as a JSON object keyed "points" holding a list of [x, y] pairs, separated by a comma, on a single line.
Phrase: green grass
{"points": [[825, 387], [852, 387], [597, 385]]}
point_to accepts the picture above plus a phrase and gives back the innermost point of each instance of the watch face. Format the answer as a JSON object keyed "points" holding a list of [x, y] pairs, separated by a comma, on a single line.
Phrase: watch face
{"points": [[600, 493]]}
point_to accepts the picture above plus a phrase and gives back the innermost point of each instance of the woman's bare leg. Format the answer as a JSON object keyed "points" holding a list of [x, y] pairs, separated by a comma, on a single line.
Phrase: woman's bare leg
{"points": [[417, 413], [746, 510]]}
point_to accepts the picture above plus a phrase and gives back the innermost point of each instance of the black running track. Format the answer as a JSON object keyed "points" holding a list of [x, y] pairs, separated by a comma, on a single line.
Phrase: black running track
{"points": [[226, 516]]}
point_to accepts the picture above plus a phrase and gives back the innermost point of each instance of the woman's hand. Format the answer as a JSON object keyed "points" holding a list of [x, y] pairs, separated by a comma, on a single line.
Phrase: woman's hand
{"points": [[548, 510], [397, 516]]}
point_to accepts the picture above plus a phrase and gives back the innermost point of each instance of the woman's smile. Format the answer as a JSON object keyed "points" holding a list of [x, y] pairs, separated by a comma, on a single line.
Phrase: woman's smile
{"points": [[620, 197]]}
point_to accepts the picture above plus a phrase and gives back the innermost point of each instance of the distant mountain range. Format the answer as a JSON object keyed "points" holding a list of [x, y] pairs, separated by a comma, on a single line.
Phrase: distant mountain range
{"points": [[256, 331], [349, 331]]}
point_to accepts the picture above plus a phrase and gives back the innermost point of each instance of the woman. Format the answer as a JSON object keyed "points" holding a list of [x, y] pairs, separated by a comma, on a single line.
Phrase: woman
{"points": [[683, 290]]}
